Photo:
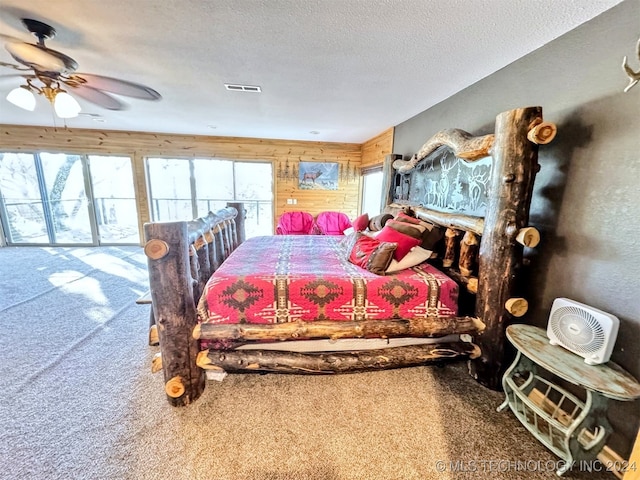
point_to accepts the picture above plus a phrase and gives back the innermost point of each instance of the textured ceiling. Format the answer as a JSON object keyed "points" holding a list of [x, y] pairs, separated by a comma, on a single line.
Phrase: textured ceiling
{"points": [[347, 69]]}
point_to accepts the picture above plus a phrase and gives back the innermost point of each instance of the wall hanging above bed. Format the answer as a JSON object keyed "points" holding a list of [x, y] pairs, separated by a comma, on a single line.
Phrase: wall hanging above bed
{"points": [[442, 181]]}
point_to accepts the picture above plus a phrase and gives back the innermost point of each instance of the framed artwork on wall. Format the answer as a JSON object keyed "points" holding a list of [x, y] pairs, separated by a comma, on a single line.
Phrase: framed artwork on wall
{"points": [[318, 176]]}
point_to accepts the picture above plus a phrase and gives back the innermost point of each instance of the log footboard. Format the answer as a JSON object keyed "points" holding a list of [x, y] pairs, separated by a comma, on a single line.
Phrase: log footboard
{"points": [[177, 272]]}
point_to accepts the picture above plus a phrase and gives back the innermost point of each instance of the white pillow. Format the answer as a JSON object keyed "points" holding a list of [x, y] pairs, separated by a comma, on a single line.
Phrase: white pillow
{"points": [[348, 231], [416, 256]]}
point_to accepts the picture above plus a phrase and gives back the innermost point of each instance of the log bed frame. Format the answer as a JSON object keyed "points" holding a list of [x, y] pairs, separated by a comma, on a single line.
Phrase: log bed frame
{"points": [[183, 255]]}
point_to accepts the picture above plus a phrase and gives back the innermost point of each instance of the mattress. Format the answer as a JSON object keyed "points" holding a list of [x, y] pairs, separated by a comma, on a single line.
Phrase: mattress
{"points": [[276, 279]]}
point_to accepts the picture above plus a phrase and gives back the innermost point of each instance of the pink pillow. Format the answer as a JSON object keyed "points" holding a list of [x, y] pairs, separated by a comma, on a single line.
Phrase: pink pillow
{"points": [[361, 223], [405, 242]]}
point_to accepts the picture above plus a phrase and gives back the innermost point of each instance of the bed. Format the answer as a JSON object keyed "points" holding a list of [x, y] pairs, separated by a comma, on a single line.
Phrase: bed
{"points": [[298, 304]]}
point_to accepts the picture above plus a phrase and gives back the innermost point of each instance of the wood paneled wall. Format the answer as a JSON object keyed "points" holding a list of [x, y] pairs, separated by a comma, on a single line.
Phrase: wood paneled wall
{"points": [[139, 145], [374, 150]]}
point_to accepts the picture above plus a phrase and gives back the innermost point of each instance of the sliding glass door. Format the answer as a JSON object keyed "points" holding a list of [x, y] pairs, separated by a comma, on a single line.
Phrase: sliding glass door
{"points": [[253, 186], [182, 189], [114, 199], [213, 182], [170, 189], [22, 206], [48, 199], [65, 193]]}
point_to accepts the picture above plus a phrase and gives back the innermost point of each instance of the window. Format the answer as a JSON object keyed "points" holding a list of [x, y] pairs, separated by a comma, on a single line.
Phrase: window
{"points": [[372, 192], [183, 189]]}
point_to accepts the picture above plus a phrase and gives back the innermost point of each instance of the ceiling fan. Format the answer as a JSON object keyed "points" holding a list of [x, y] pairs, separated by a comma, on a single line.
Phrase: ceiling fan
{"points": [[53, 74]]}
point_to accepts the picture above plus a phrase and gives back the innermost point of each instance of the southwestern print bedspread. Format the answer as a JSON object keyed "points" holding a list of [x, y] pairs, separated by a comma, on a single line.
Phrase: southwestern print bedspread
{"points": [[283, 278]]}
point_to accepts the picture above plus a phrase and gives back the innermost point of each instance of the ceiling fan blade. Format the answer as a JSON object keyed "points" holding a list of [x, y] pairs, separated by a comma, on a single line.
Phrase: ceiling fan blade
{"points": [[41, 59], [101, 99], [117, 86], [9, 38], [22, 76], [14, 66]]}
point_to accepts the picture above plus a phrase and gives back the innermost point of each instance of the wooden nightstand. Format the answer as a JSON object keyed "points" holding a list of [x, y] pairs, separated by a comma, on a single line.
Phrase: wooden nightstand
{"points": [[560, 426]]}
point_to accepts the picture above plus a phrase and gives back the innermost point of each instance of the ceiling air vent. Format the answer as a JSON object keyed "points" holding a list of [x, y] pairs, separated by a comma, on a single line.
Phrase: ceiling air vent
{"points": [[242, 88]]}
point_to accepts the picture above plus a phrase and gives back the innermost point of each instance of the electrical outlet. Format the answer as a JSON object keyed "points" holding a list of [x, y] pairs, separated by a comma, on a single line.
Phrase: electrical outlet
{"points": [[295, 201], [289, 201]]}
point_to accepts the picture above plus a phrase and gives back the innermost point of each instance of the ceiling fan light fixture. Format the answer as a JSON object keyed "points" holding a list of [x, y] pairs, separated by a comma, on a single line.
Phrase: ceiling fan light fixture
{"points": [[48, 71], [22, 97], [65, 105]]}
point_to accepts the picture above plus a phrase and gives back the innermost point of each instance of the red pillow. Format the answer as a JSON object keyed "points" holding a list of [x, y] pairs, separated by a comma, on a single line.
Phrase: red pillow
{"points": [[371, 254], [361, 223], [405, 242]]}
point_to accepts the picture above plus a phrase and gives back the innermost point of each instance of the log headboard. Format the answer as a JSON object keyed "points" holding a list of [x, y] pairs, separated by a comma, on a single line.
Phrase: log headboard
{"points": [[479, 188]]}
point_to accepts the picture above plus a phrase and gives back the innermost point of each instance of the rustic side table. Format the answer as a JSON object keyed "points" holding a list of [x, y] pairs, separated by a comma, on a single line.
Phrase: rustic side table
{"points": [[557, 418]]}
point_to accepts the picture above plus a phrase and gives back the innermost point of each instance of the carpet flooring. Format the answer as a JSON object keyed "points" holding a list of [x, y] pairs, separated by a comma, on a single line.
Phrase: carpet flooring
{"points": [[80, 401]]}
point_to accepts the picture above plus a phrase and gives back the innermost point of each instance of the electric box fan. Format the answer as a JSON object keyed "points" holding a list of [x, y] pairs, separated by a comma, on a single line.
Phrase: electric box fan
{"points": [[583, 330]]}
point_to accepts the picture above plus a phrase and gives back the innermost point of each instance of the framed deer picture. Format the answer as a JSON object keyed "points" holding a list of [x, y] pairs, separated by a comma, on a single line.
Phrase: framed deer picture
{"points": [[318, 176]]}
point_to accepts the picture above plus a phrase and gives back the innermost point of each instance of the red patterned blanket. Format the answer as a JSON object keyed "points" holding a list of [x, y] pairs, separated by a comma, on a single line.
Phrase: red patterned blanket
{"points": [[279, 279]]}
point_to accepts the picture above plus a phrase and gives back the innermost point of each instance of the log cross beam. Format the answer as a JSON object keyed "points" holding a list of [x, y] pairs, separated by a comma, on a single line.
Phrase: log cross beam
{"points": [[418, 327], [242, 361]]}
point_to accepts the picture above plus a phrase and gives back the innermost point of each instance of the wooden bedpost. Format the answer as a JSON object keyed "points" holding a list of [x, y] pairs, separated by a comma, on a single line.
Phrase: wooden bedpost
{"points": [[515, 164], [388, 176], [174, 309], [242, 213]]}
